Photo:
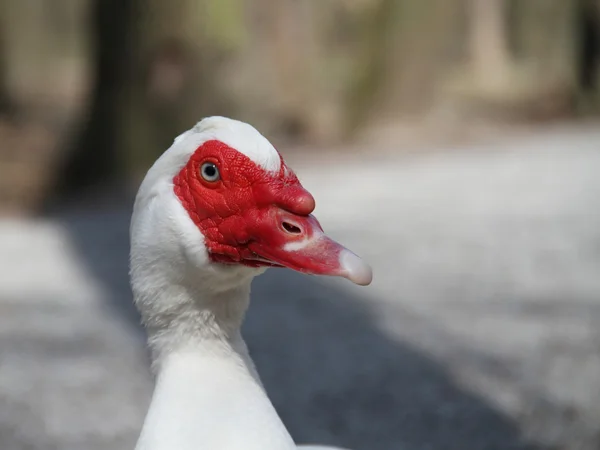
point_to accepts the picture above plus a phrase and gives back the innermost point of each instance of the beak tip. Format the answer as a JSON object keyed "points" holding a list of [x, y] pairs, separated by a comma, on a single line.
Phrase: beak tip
{"points": [[355, 269]]}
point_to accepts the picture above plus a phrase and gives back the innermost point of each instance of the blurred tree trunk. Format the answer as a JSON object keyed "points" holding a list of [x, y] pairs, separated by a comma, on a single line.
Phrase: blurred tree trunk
{"points": [[4, 96], [94, 158], [42, 70], [488, 42], [291, 63], [402, 56], [546, 37], [589, 49], [546, 33], [371, 61]]}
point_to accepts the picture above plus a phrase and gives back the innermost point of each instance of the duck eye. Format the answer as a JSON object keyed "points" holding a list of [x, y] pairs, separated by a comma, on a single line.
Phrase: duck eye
{"points": [[210, 172]]}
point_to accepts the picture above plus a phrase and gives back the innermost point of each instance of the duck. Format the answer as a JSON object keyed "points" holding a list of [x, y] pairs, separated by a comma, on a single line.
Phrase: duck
{"points": [[216, 209]]}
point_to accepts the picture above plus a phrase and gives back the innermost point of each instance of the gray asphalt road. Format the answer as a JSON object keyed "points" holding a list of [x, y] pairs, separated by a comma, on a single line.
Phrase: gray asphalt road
{"points": [[479, 332]]}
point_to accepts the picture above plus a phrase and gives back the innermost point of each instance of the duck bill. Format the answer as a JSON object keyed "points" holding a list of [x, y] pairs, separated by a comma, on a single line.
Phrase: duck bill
{"points": [[301, 245]]}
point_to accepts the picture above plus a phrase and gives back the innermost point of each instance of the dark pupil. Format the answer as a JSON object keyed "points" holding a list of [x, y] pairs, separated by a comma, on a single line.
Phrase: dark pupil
{"points": [[210, 171]]}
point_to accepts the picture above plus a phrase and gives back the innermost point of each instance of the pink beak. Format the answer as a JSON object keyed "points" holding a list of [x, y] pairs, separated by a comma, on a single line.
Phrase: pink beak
{"points": [[298, 242]]}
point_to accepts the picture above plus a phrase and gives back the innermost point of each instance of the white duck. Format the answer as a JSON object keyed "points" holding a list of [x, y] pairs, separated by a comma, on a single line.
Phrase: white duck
{"points": [[215, 210]]}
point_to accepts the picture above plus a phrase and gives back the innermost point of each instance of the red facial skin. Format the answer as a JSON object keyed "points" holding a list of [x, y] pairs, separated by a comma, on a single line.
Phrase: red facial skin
{"points": [[260, 219], [245, 208]]}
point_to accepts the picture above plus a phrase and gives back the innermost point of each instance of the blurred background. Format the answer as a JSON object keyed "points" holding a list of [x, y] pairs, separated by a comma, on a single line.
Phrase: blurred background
{"points": [[455, 144]]}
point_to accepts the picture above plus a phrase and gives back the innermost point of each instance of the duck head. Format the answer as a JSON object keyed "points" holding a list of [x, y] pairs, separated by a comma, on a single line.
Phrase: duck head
{"points": [[221, 200]]}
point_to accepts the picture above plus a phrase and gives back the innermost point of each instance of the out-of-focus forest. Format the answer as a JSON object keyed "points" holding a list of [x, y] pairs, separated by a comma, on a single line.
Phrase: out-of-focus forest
{"points": [[94, 90]]}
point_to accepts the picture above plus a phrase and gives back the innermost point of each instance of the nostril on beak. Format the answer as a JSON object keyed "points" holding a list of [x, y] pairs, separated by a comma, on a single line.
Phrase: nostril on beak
{"points": [[291, 228]]}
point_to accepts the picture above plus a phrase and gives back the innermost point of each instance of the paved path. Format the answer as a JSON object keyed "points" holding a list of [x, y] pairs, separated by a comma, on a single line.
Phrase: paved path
{"points": [[479, 332]]}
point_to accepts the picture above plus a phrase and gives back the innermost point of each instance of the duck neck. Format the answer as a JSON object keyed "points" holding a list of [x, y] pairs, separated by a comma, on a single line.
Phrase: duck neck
{"points": [[207, 393]]}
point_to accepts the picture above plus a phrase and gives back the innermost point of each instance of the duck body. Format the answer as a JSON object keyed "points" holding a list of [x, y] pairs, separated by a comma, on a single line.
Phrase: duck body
{"points": [[217, 209]]}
